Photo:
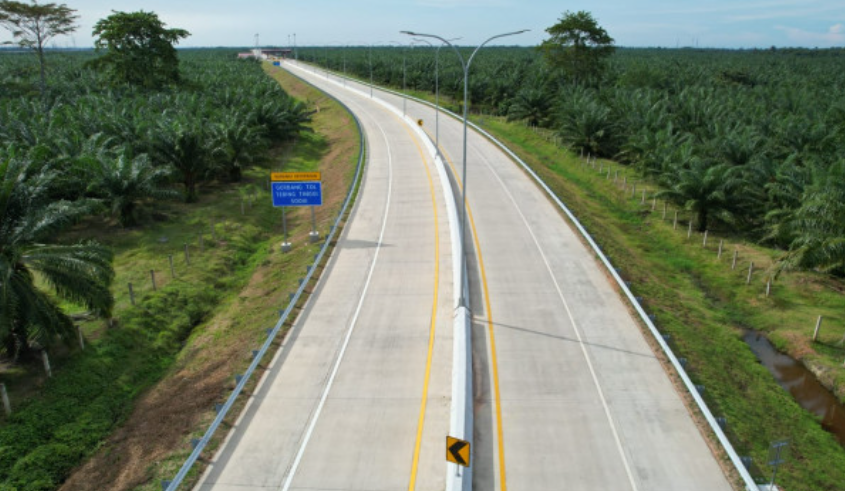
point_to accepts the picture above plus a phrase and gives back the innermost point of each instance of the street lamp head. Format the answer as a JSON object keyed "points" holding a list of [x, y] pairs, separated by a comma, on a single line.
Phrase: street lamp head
{"points": [[408, 33]]}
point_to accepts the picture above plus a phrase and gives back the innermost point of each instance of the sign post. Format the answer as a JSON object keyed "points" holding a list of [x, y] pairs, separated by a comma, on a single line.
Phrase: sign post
{"points": [[297, 189], [777, 456], [286, 247]]}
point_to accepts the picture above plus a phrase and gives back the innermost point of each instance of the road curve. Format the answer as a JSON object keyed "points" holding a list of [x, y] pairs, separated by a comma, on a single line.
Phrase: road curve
{"points": [[569, 395], [358, 396]]}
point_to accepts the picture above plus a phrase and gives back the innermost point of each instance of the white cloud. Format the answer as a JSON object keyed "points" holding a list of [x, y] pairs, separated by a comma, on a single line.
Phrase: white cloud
{"points": [[835, 35]]}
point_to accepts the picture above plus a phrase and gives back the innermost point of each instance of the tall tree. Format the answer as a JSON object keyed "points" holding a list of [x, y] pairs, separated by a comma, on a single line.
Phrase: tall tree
{"points": [[82, 273], [33, 25], [139, 49], [578, 46]]}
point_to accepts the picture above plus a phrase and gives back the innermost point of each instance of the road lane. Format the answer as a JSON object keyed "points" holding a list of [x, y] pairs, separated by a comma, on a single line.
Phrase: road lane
{"points": [[341, 404], [585, 404]]}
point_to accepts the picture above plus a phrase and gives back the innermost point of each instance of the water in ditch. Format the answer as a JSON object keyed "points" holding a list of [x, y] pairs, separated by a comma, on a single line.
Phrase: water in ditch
{"points": [[801, 383]]}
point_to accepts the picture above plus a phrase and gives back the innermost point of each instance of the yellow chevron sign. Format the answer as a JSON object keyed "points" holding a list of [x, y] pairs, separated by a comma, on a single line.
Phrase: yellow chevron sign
{"points": [[457, 451]]}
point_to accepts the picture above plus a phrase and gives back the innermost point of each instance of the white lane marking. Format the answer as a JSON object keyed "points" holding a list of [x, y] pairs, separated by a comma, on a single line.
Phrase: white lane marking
{"points": [[295, 466], [593, 374]]}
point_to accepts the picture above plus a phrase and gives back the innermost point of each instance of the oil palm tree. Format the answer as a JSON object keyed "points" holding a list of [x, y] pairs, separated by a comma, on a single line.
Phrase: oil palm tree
{"points": [[819, 223], [237, 144], [81, 273], [706, 189], [186, 150], [124, 184], [532, 104]]}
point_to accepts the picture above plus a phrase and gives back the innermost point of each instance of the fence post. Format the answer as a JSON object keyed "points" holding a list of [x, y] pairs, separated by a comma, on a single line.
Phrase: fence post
{"points": [[720, 249], [675, 223], [704, 243], [750, 270], [170, 259], [7, 406], [689, 230], [153, 278], [664, 210], [131, 295], [46, 360], [733, 264], [187, 255], [653, 203], [81, 338], [818, 328], [768, 287]]}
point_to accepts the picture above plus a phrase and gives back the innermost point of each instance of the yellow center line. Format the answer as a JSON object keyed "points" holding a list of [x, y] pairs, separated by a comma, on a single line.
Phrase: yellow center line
{"points": [[494, 365], [421, 421]]}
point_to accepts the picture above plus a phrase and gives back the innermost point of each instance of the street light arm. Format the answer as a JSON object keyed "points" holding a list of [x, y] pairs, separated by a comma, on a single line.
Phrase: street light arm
{"points": [[445, 41], [492, 38]]}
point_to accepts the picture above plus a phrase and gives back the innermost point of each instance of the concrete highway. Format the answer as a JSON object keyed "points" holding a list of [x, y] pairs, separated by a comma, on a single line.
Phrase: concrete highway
{"points": [[568, 394], [358, 397]]}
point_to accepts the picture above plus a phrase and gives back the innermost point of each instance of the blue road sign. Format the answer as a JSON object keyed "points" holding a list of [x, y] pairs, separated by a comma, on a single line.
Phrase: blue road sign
{"points": [[297, 193]]}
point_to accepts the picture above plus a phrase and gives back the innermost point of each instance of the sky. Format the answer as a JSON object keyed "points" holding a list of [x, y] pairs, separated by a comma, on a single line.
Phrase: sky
{"points": [[643, 23]]}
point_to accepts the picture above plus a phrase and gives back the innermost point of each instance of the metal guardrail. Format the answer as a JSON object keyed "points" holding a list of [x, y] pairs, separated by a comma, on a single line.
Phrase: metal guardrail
{"points": [[242, 380]]}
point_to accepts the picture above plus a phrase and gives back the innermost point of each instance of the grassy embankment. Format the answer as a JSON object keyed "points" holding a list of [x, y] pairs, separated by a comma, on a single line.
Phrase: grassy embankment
{"points": [[702, 304], [147, 385]]}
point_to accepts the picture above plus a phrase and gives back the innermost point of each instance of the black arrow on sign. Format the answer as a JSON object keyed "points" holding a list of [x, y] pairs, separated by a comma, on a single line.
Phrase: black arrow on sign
{"points": [[455, 450]]}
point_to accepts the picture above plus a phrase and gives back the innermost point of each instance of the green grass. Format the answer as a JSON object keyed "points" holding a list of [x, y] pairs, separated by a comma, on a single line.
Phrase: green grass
{"points": [[701, 303]]}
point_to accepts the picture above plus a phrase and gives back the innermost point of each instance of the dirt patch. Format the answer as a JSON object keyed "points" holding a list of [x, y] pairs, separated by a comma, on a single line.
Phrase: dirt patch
{"points": [[178, 405]]}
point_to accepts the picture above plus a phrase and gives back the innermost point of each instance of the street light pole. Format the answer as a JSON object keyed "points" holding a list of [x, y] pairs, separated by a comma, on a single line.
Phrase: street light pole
{"points": [[295, 52], [463, 301], [371, 70], [436, 89], [404, 86]]}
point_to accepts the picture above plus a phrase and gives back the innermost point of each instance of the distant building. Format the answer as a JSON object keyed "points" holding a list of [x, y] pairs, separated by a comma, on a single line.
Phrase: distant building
{"points": [[268, 54]]}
